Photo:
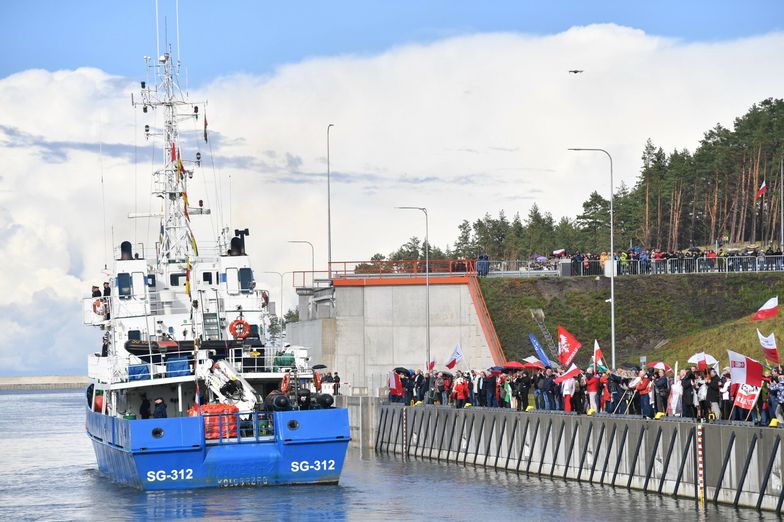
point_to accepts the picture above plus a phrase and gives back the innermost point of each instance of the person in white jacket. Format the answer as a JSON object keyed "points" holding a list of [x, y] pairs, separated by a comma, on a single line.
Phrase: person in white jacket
{"points": [[567, 390]]}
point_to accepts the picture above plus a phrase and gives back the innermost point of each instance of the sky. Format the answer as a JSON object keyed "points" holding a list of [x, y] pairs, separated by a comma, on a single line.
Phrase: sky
{"points": [[461, 107]]}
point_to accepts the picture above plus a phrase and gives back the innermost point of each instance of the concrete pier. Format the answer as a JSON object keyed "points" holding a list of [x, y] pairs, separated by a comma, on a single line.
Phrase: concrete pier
{"points": [[48, 382], [734, 464]]}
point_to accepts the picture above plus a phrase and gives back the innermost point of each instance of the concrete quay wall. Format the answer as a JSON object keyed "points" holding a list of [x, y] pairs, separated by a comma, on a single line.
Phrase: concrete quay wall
{"points": [[734, 464], [377, 328]]}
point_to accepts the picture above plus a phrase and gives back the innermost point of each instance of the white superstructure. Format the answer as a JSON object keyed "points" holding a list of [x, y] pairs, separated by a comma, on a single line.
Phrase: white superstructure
{"points": [[181, 311]]}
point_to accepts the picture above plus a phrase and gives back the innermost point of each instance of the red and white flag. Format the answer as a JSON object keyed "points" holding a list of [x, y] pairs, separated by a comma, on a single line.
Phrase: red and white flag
{"points": [[456, 357], [702, 362], [769, 347], [598, 356], [768, 310], [394, 382], [746, 396], [745, 370], [762, 190], [573, 371], [567, 346], [431, 364]]}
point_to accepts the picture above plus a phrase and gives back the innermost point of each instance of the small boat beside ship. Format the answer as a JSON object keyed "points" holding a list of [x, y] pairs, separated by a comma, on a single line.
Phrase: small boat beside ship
{"points": [[189, 389]]}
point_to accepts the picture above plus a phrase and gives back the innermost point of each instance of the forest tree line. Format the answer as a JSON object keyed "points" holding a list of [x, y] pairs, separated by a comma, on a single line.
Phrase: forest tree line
{"points": [[679, 200]]}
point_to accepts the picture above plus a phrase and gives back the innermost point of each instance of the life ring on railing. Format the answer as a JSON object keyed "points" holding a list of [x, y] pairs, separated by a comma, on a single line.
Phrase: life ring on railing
{"points": [[98, 307], [317, 381], [284, 383], [239, 329]]}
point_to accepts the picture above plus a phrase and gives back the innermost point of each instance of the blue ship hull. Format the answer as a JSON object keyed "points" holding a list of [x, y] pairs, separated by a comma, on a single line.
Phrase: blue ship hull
{"points": [[302, 447]]}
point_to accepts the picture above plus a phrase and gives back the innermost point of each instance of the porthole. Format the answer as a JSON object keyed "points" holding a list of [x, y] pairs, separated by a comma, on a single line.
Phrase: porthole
{"points": [[157, 433], [293, 425]]}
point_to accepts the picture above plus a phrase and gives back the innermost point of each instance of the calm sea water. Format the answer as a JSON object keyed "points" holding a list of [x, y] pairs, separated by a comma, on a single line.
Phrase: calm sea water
{"points": [[48, 472]]}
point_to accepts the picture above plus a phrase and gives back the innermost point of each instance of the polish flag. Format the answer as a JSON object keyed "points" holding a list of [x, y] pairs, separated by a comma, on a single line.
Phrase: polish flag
{"points": [[597, 354], [456, 357], [702, 363], [762, 190], [431, 365], [768, 310], [567, 346], [573, 371], [745, 370], [769, 347], [394, 382]]}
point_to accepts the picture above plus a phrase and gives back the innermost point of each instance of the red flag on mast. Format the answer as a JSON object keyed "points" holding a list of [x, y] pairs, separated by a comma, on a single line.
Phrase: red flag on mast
{"points": [[567, 346], [762, 190], [768, 310]]}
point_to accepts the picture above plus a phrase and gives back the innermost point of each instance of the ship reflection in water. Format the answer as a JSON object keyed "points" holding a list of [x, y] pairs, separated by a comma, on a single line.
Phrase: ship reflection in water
{"points": [[48, 472]]}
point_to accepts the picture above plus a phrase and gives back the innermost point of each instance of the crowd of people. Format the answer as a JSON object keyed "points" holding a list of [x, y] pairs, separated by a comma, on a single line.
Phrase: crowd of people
{"points": [[637, 261], [706, 394], [655, 261]]}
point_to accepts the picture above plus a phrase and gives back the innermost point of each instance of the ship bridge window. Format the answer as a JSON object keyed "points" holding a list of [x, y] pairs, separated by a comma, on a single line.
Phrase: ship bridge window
{"points": [[177, 279], [207, 277], [232, 281], [124, 285], [246, 277]]}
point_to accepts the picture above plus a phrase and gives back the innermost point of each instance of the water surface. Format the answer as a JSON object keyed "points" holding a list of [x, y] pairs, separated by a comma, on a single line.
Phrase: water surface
{"points": [[48, 472]]}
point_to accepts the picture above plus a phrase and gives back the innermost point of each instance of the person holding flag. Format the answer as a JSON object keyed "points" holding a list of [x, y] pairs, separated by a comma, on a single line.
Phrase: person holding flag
{"points": [[570, 374], [592, 387], [396, 391]]}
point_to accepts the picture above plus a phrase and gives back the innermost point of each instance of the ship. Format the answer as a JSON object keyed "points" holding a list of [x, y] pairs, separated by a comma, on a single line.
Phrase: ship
{"points": [[190, 388]]}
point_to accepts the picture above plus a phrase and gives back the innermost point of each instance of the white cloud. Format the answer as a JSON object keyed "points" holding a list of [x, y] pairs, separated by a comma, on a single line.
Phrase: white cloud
{"points": [[463, 126]]}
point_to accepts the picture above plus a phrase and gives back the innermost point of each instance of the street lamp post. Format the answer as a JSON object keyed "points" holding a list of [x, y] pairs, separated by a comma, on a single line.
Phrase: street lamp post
{"points": [[312, 253], [427, 277], [612, 250], [279, 274], [329, 211]]}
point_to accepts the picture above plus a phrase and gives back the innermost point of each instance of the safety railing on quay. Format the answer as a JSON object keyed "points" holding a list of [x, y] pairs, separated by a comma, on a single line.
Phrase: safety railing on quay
{"points": [[536, 268], [384, 268], [673, 266]]}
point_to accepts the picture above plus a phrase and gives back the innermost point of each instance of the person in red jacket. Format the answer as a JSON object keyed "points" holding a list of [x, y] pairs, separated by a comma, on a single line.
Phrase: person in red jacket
{"points": [[644, 390], [461, 392], [592, 387]]}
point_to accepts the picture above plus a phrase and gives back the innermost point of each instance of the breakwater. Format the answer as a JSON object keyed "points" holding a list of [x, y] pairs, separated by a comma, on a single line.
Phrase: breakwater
{"points": [[734, 464], [48, 382]]}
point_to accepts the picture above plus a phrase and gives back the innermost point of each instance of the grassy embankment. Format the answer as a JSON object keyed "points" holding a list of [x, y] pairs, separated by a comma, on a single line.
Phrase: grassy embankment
{"points": [[663, 317]]}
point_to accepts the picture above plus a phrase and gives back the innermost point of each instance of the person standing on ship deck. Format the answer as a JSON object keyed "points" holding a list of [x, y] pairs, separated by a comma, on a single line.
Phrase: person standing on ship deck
{"points": [[160, 409], [144, 409]]}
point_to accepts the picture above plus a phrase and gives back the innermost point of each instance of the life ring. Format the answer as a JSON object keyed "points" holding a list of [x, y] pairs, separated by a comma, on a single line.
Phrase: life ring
{"points": [[284, 383], [239, 329], [98, 307], [317, 381]]}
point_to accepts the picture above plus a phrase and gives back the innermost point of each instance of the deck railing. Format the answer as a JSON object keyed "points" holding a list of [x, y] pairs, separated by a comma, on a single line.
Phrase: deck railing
{"points": [[238, 427]]}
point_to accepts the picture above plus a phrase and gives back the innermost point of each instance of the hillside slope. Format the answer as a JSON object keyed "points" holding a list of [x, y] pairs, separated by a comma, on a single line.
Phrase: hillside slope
{"points": [[739, 335], [649, 309]]}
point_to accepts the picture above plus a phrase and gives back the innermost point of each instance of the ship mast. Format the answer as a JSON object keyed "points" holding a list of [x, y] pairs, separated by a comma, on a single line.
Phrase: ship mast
{"points": [[176, 240]]}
